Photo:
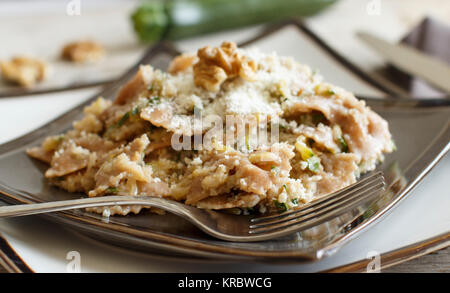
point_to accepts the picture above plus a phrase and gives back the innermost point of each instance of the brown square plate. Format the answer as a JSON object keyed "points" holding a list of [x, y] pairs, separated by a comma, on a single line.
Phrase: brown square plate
{"points": [[420, 129]]}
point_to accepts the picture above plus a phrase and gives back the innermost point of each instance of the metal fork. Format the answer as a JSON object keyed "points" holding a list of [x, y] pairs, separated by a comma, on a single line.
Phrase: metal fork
{"points": [[225, 226]]}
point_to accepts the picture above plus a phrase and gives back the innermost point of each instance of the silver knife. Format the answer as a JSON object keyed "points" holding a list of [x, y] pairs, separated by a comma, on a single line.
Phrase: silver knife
{"points": [[411, 60]]}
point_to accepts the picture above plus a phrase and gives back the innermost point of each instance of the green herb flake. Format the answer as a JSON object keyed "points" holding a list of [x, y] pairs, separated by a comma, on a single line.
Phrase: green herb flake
{"points": [[281, 206], [135, 111], [331, 92], [294, 201], [343, 144], [154, 100], [285, 187], [112, 190], [122, 120], [251, 211], [60, 138]]}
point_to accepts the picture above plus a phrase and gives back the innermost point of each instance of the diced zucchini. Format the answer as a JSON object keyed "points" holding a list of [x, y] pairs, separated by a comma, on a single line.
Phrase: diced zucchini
{"points": [[304, 150], [314, 164], [308, 156], [343, 144]]}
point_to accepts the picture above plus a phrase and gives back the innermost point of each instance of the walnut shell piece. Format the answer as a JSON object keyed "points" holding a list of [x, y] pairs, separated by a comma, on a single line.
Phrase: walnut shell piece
{"points": [[82, 52], [216, 65], [24, 71]]}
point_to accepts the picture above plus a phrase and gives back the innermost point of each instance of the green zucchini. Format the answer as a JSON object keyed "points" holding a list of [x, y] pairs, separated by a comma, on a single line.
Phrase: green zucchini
{"points": [[281, 206], [178, 19]]}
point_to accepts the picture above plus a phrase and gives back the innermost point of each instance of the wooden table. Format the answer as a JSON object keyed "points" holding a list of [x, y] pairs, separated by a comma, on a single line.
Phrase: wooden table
{"points": [[436, 262]]}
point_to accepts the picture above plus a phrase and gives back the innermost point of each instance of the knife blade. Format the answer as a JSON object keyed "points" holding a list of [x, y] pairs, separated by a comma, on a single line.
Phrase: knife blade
{"points": [[411, 60]]}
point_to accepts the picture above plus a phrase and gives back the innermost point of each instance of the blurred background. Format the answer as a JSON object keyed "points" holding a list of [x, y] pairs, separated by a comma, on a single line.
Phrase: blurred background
{"points": [[125, 28]]}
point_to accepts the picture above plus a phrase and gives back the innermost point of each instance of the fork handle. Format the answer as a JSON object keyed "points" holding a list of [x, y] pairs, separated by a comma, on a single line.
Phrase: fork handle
{"points": [[64, 205]]}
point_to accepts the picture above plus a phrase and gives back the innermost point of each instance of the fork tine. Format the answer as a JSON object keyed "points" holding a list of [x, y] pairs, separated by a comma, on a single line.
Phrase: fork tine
{"points": [[318, 216], [327, 205], [328, 198]]}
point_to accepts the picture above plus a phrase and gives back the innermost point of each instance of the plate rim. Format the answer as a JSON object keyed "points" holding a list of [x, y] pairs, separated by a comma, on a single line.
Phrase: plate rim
{"points": [[11, 261]]}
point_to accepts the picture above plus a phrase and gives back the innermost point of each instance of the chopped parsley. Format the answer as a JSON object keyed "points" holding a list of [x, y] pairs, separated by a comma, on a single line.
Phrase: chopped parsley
{"points": [[294, 201], [60, 138], [281, 206], [250, 211], [126, 116], [122, 120], [154, 100], [112, 190], [135, 111], [275, 169]]}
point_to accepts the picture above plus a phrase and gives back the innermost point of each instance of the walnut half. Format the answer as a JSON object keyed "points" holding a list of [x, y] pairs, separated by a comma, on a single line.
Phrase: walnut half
{"points": [[24, 71], [216, 65], [82, 51]]}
